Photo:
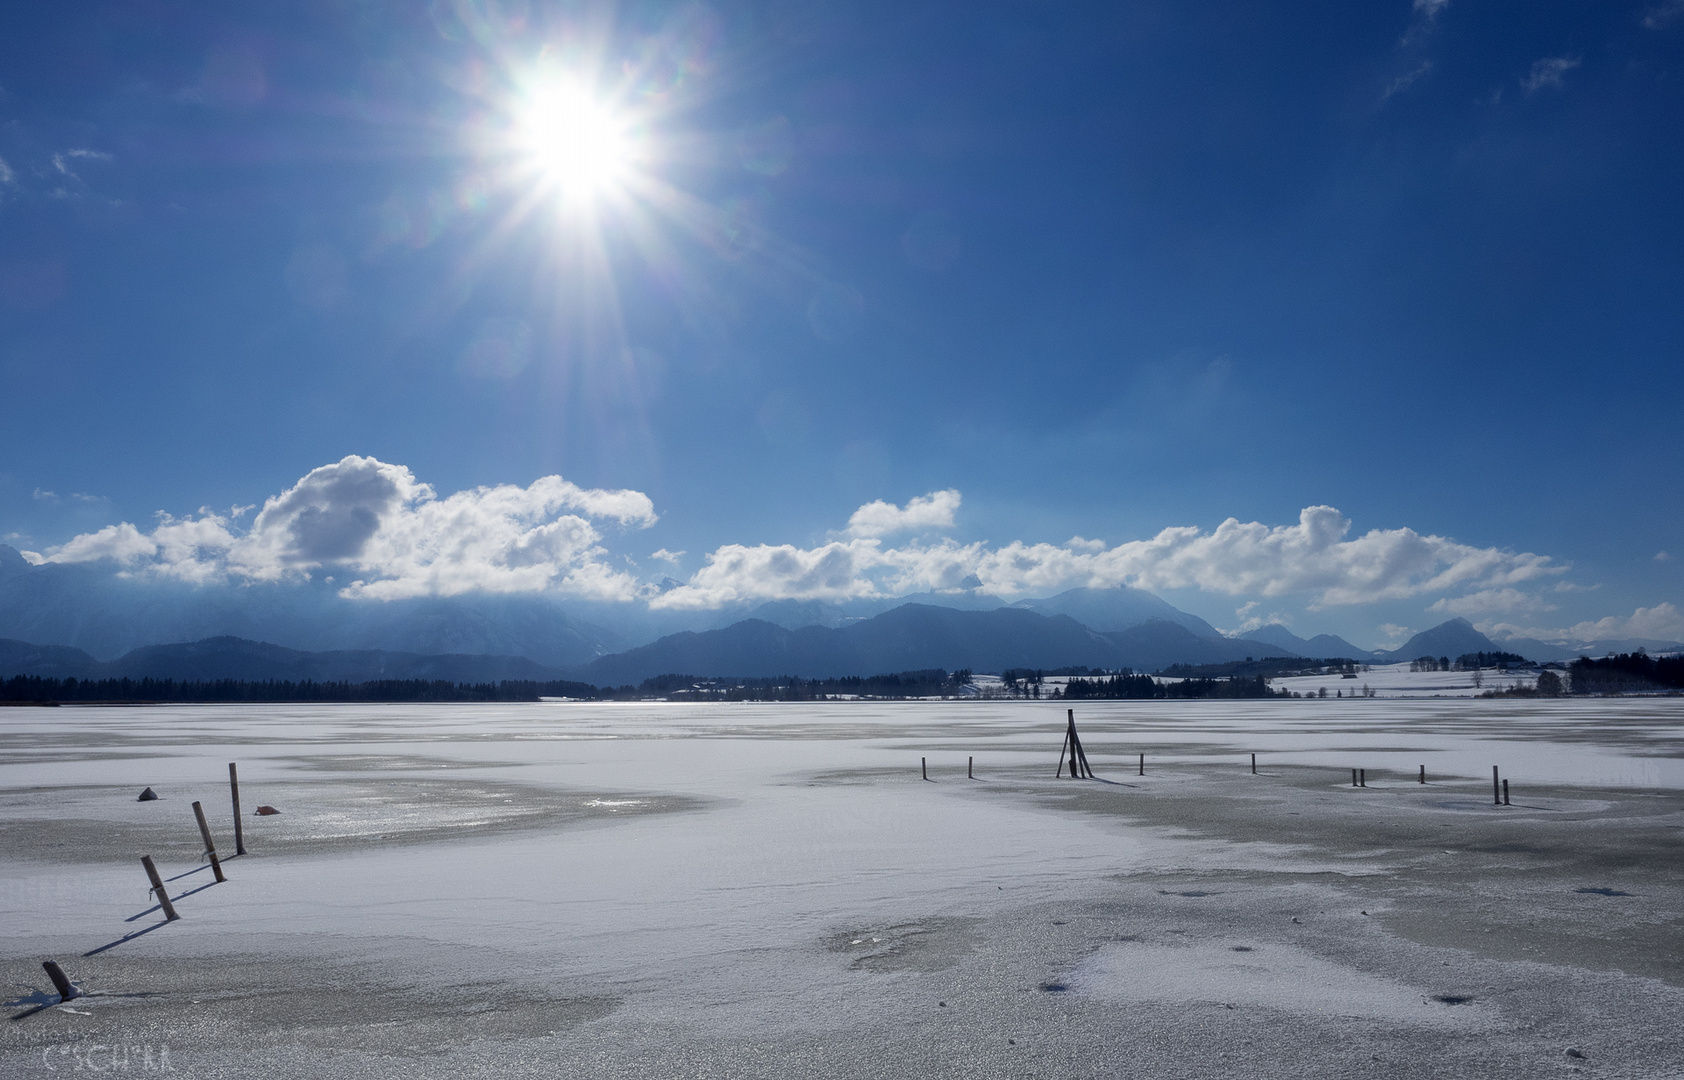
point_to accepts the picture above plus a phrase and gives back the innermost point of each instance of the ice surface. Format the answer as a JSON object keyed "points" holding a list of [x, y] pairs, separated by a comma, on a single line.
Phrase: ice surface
{"points": [[679, 872], [1279, 976]]}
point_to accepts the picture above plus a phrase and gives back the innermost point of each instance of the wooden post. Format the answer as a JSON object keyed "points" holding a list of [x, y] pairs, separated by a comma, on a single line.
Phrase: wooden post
{"points": [[1142, 764], [970, 768], [239, 831], [1353, 778], [66, 990], [1362, 778], [1079, 766], [1423, 774], [1254, 764], [158, 888], [210, 848], [1496, 792], [1505, 791], [924, 766], [1065, 745]]}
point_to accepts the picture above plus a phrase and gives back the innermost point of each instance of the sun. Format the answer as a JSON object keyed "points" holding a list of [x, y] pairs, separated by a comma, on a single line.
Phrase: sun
{"points": [[574, 143]]}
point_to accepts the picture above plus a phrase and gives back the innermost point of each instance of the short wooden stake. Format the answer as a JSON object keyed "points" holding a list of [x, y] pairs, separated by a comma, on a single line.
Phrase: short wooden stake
{"points": [[1353, 778], [1505, 791], [1362, 778], [210, 848], [1423, 774], [66, 989], [970, 768], [924, 766], [1142, 764], [158, 888], [1254, 764], [1496, 791], [234, 787]]}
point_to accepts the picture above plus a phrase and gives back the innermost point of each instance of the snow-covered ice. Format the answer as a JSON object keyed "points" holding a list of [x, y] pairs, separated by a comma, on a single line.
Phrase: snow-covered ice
{"points": [[766, 889]]}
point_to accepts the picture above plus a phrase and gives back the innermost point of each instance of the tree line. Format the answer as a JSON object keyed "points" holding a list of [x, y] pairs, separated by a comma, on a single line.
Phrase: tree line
{"points": [[931, 682], [1144, 687], [1626, 672]]}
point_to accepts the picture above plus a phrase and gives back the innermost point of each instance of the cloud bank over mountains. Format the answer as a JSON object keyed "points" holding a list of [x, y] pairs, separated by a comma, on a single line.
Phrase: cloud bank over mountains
{"points": [[1313, 557], [378, 533]]}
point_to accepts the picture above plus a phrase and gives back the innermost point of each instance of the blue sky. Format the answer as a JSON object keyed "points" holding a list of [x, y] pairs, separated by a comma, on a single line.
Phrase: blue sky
{"points": [[1102, 270]]}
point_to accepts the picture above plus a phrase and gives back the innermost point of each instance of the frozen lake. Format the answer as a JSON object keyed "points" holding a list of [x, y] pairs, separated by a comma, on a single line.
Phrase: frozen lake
{"points": [[654, 888]]}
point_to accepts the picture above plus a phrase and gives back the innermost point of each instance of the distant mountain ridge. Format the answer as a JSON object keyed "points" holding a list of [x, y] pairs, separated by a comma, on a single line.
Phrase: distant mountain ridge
{"points": [[85, 607], [1110, 610], [103, 619], [908, 637], [1322, 646], [257, 661]]}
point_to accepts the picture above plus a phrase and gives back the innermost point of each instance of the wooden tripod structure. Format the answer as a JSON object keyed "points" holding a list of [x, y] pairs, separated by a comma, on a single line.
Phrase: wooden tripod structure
{"points": [[1079, 767]]}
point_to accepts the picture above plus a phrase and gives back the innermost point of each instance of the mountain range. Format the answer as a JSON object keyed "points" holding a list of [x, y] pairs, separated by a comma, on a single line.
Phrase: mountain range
{"points": [[1322, 645], [908, 637], [92, 623], [107, 615], [257, 661]]}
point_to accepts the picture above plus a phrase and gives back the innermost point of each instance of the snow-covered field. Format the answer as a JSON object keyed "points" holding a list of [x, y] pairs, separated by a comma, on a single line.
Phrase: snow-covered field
{"points": [[774, 890], [1397, 681]]}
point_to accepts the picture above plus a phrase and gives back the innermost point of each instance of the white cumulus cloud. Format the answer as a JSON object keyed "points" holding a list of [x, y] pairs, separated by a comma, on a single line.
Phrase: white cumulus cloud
{"points": [[932, 511], [375, 522], [1663, 621], [1313, 556], [383, 534]]}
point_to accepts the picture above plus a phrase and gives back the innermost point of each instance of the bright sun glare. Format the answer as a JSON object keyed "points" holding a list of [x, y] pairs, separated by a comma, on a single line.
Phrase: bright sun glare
{"points": [[574, 142]]}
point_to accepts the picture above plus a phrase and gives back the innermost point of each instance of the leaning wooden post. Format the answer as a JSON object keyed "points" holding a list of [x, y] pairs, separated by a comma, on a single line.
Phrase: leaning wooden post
{"points": [[1078, 757], [66, 989], [1065, 745], [234, 787], [210, 848], [158, 887], [1496, 789]]}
